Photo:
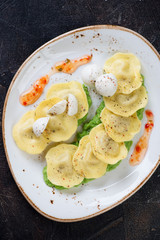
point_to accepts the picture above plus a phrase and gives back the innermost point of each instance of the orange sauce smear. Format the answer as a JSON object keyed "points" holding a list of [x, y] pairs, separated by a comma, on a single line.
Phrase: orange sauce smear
{"points": [[31, 95], [142, 145], [70, 66]]}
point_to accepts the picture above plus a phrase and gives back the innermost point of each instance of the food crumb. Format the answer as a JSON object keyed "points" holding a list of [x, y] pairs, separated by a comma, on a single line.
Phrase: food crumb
{"points": [[51, 201], [23, 170], [98, 206]]}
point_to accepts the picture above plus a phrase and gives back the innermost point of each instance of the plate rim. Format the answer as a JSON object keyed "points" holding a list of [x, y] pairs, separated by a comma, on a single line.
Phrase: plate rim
{"points": [[92, 27]]}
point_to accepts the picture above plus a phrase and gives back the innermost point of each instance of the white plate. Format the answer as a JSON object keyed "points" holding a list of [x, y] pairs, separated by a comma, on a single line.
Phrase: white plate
{"points": [[116, 186]]}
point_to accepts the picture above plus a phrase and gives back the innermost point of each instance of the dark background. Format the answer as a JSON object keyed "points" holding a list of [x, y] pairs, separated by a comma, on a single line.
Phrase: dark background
{"points": [[25, 26]]}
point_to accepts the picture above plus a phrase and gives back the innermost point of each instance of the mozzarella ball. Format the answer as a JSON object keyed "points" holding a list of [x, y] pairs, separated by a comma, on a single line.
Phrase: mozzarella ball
{"points": [[90, 73], [58, 108], [40, 125], [72, 105], [106, 85]]}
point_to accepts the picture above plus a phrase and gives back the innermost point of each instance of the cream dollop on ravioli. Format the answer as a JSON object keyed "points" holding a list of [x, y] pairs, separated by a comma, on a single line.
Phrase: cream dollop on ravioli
{"points": [[105, 148], [127, 104], [24, 136], [126, 67], [60, 170], [63, 90], [61, 126], [86, 163], [120, 128]]}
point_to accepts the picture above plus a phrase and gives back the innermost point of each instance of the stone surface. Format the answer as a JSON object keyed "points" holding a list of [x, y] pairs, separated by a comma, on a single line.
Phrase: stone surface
{"points": [[25, 26]]}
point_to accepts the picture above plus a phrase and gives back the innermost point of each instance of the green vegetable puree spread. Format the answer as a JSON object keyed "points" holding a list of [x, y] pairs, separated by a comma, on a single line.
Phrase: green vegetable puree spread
{"points": [[85, 131]]}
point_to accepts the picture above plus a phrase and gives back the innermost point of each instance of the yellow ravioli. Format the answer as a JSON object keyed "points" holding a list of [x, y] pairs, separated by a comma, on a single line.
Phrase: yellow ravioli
{"points": [[60, 170], [120, 128], [60, 127], [105, 148], [127, 104], [86, 163], [63, 89], [24, 137], [126, 67]]}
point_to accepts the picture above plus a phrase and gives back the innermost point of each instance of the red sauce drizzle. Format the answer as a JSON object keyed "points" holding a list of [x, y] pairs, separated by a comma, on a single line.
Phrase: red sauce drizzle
{"points": [[142, 145], [31, 95]]}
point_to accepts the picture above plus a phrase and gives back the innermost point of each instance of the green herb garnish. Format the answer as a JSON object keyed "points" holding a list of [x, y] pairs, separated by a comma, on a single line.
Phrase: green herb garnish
{"points": [[59, 68], [142, 80], [111, 167], [128, 144], [91, 124], [140, 113], [67, 60], [82, 120], [96, 119]]}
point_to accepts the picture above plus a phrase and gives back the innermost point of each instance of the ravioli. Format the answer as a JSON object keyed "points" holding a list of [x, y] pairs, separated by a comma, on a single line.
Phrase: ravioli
{"points": [[24, 137], [63, 89], [105, 148], [60, 127], [126, 67], [60, 170], [86, 163], [127, 104], [120, 128]]}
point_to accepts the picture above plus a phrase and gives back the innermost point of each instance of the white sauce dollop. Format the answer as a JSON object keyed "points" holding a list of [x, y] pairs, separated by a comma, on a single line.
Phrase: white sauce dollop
{"points": [[72, 105], [40, 125], [58, 108], [106, 85], [90, 74]]}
